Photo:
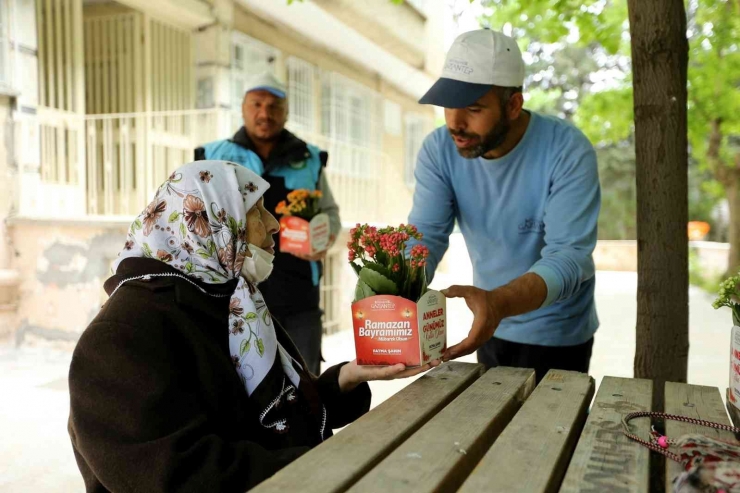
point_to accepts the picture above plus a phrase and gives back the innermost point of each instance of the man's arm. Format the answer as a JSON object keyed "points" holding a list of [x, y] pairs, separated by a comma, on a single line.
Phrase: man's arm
{"points": [[328, 205], [571, 215], [433, 212]]}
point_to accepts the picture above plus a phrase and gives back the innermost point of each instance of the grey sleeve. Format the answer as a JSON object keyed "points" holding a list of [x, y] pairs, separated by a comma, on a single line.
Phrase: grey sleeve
{"points": [[328, 205]]}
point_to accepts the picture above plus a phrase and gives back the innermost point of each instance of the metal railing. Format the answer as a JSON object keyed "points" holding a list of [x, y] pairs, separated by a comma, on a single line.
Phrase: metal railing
{"points": [[129, 155]]}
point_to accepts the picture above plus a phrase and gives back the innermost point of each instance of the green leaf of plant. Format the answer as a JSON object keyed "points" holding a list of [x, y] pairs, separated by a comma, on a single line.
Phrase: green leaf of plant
{"points": [[147, 250], [189, 267], [260, 347], [182, 230], [379, 269], [250, 317], [357, 268], [362, 291], [378, 282], [137, 224], [203, 253], [173, 217], [383, 258], [244, 347]]}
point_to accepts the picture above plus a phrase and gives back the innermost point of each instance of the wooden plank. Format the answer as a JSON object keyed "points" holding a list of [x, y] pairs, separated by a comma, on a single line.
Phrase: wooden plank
{"points": [[440, 456], [343, 459], [605, 460], [533, 452], [693, 401]]}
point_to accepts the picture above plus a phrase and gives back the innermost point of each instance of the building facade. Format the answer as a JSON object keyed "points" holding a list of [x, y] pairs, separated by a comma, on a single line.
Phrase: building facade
{"points": [[101, 100]]}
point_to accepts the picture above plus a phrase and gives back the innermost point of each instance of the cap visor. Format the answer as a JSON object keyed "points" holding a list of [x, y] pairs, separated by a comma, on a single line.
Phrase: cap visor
{"points": [[450, 93], [275, 92]]}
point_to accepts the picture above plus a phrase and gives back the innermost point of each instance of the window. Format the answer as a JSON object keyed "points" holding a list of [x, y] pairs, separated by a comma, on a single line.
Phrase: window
{"points": [[301, 96], [415, 132], [351, 120], [249, 57], [392, 118]]}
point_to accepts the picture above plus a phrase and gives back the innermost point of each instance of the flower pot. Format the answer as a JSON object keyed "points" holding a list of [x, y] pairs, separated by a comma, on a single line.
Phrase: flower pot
{"points": [[734, 394], [304, 237], [391, 330]]}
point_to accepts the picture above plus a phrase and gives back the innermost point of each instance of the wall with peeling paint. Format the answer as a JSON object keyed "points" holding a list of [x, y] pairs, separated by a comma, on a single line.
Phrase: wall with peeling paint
{"points": [[62, 268]]}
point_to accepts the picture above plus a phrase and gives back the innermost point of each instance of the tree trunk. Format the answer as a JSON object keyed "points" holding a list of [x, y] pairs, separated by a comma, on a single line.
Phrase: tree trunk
{"points": [[659, 62], [732, 190]]}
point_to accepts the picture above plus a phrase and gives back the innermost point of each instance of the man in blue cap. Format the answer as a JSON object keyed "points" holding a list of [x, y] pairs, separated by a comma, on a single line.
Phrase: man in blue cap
{"points": [[287, 163], [524, 189]]}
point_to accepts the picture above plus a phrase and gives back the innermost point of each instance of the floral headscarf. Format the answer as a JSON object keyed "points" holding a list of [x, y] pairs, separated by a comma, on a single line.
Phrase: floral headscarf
{"points": [[197, 224]]}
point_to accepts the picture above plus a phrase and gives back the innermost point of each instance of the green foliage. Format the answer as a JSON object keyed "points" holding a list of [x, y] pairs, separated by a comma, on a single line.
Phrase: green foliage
{"points": [[606, 117], [362, 290], [550, 21], [571, 45], [379, 283], [697, 276], [617, 220]]}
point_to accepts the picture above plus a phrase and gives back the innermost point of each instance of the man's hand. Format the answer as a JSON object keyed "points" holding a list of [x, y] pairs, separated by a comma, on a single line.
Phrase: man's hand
{"points": [[352, 374], [485, 322], [522, 295]]}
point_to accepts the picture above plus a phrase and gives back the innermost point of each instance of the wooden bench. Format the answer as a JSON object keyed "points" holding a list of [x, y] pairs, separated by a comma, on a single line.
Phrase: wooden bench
{"points": [[460, 429], [693, 401]]}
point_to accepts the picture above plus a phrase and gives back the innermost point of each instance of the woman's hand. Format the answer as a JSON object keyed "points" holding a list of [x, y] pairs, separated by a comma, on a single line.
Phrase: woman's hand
{"points": [[351, 375]]}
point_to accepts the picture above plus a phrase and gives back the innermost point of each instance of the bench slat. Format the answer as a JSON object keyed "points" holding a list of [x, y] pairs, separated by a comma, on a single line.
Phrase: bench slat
{"points": [[339, 462], [533, 452], [442, 453], [606, 460], [693, 401]]}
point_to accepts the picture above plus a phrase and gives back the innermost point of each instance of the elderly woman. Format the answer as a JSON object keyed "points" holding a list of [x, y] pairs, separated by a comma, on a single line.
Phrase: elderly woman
{"points": [[183, 382]]}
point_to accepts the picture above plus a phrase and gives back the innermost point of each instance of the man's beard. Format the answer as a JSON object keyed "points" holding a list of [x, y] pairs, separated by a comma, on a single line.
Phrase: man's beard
{"points": [[271, 137], [488, 142]]}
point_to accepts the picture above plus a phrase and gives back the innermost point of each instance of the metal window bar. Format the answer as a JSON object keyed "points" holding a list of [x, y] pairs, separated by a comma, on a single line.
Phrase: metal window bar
{"points": [[301, 94], [415, 130]]}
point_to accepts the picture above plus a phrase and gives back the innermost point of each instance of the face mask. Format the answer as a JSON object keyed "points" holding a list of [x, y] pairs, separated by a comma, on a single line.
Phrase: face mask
{"points": [[258, 267]]}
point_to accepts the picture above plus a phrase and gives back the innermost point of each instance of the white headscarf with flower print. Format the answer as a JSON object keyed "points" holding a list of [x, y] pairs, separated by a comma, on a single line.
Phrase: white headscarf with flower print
{"points": [[197, 224]]}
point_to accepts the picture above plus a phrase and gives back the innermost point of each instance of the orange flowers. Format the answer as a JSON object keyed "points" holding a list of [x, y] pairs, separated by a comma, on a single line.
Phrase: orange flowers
{"points": [[302, 203]]}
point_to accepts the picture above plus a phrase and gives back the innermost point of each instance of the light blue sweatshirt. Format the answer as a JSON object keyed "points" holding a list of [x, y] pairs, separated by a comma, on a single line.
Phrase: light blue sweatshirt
{"points": [[533, 210]]}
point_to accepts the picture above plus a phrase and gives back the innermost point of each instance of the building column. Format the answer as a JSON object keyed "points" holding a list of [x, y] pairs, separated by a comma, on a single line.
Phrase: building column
{"points": [[213, 65]]}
